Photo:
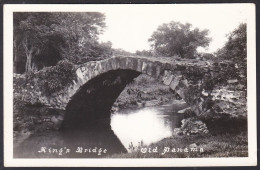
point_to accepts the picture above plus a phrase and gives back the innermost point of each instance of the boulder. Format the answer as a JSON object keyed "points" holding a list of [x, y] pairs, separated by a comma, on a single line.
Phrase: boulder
{"points": [[191, 126], [184, 110]]}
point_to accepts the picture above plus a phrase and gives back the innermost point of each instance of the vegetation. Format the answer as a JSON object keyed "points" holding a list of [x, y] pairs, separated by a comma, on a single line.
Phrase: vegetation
{"points": [[222, 145], [144, 89], [144, 53], [62, 40], [177, 39], [121, 52], [55, 78], [219, 136], [235, 49], [42, 39], [48, 81], [226, 138]]}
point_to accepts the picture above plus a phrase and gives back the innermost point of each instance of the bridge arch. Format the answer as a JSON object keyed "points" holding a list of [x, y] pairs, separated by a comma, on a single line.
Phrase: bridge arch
{"points": [[99, 83], [204, 85]]}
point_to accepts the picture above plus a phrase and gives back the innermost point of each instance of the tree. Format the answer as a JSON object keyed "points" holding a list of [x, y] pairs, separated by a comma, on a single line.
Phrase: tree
{"points": [[144, 53], [81, 32], [235, 48], [42, 39], [32, 38], [122, 52], [178, 39]]}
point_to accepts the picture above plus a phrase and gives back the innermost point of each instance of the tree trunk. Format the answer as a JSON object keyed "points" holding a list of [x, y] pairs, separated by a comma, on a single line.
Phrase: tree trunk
{"points": [[15, 59], [28, 66], [15, 63]]}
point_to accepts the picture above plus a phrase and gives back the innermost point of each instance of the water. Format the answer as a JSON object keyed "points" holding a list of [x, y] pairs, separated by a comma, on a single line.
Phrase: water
{"points": [[148, 124]]}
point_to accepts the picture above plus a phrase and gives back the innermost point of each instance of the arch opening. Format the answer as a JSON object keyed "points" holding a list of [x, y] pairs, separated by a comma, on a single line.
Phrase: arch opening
{"points": [[90, 106]]}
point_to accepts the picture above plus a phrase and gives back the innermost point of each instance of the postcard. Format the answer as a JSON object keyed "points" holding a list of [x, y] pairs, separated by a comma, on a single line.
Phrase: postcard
{"points": [[129, 85]]}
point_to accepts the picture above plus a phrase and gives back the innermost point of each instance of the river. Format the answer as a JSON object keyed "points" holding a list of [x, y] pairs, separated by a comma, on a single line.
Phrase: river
{"points": [[129, 128]]}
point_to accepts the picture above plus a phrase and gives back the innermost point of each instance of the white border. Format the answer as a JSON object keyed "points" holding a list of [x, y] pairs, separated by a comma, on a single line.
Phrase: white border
{"points": [[9, 161]]}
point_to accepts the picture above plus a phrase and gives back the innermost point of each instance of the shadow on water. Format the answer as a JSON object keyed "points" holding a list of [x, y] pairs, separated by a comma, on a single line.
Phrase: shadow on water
{"points": [[70, 144], [146, 125], [105, 136], [86, 130], [86, 123]]}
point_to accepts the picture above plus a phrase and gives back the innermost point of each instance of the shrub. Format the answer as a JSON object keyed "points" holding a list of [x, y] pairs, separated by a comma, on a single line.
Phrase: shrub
{"points": [[53, 79], [191, 126]]}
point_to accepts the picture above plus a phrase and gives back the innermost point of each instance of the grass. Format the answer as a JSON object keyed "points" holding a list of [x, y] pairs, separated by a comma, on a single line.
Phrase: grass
{"points": [[226, 138], [220, 145]]}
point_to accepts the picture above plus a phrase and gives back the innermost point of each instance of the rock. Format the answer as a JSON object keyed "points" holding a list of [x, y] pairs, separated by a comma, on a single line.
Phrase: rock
{"points": [[184, 110], [140, 104], [38, 121], [115, 108], [186, 77], [175, 82], [57, 121], [191, 126], [177, 132], [60, 117], [152, 103], [204, 93], [46, 120], [54, 119], [180, 102], [168, 79], [232, 81]]}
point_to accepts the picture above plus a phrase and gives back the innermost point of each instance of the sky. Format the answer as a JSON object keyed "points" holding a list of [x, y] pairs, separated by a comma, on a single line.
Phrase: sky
{"points": [[130, 27]]}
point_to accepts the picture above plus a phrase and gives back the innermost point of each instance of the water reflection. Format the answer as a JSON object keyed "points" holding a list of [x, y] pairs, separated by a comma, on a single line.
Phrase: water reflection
{"points": [[49, 144], [149, 125]]}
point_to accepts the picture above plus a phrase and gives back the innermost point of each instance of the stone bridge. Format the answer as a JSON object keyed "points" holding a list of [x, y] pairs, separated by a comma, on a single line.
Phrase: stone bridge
{"points": [[97, 85]]}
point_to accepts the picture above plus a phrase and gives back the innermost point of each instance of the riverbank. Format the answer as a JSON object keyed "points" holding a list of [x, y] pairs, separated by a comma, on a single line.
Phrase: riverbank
{"points": [[226, 137], [144, 91], [229, 140], [28, 120]]}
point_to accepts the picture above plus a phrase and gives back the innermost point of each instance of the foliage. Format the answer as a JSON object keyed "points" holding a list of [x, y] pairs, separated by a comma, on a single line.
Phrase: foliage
{"points": [[96, 51], [226, 138], [82, 37], [178, 39], [207, 56], [144, 53], [121, 52], [219, 145], [55, 78], [48, 80], [42, 39], [33, 37], [191, 126], [145, 89], [235, 48]]}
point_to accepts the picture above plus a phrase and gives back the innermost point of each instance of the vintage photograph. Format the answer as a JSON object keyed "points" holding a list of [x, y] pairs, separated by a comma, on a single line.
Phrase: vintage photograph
{"points": [[112, 82]]}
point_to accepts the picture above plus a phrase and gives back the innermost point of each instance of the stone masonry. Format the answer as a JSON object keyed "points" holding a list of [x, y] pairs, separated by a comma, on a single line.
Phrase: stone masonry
{"points": [[196, 81]]}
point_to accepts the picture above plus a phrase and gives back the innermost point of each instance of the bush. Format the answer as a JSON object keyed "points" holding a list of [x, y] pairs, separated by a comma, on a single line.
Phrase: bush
{"points": [[191, 126], [53, 79]]}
